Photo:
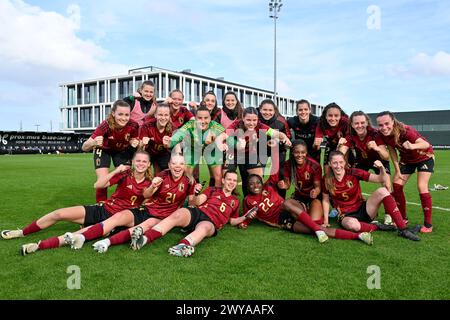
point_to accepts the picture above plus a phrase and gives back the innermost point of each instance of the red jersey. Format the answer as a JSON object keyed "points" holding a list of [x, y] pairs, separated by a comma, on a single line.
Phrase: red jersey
{"points": [[170, 195], [219, 207], [364, 155], [129, 193], [183, 115], [269, 204], [409, 156], [116, 140], [250, 136], [348, 196], [155, 146], [306, 175], [335, 133]]}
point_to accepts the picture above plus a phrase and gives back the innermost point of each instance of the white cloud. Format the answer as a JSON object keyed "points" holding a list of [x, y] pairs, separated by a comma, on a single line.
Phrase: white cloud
{"points": [[423, 64]]}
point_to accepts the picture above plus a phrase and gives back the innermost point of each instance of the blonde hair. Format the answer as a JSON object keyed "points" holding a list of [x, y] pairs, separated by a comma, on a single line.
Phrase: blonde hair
{"points": [[148, 172]]}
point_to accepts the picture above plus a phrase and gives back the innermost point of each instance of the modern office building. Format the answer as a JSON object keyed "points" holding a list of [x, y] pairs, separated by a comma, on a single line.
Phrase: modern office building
{"points": [[86, 103], [433, 125]]}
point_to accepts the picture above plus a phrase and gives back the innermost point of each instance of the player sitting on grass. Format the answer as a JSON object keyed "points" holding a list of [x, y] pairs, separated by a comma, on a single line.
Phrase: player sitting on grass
{"points": [[129, 193], [216, 206], [290, 215]]}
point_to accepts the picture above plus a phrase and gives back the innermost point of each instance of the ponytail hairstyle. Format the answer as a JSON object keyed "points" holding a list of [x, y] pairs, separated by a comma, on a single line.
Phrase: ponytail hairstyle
{"points": [[238, 110], [110, 119], [293, 163], [168, 128], [269, 101], [248, 110], [148, 173], [356, 114], [151, 84], [323, 123], [329, 175], [398, 127]]}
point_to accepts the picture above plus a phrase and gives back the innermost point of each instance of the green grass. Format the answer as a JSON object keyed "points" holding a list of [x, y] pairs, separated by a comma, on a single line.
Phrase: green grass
{"points": [[258, 263]]}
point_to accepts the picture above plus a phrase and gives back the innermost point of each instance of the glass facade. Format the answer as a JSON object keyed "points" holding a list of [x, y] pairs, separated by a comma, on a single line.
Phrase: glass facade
{"points": [[112, 91], [125, 88], [71, 95], [96, 116], [102, 92], [75, 118], [90, 93], [86, 117], [79, 94], [187, 90]]}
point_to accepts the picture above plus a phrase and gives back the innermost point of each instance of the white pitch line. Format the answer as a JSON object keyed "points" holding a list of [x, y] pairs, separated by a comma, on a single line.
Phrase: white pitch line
{"points": [[417, 204]]}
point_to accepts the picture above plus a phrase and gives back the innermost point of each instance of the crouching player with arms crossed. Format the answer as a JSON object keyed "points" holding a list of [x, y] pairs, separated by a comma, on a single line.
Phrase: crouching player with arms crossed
{"points": [[290, 215], [215, 207]]}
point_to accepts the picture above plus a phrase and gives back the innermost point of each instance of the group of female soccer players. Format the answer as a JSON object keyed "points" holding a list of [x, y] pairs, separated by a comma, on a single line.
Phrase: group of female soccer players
{"points": [[156, 150]]}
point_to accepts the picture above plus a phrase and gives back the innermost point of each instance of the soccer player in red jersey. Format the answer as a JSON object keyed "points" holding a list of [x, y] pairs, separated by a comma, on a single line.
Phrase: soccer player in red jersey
{"points": [[167, 192], [416, 153], [248, 131], [129, 194], [305, 174], [341, 186], [155, 138], [115, 138], [333, 125], [215, 207], [179, 114], [142, 102], [270, 116], [290, 214]]}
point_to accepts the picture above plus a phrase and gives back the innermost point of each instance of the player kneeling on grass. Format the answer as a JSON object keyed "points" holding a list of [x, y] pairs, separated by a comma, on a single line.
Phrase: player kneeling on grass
{"points": [[168, 192], [290, 215], [129, 193], [341, 185], [216, 206]]}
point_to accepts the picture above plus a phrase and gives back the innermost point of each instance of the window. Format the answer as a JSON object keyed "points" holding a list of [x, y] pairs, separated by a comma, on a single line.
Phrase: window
{"points": [[248, 99], [196, 90], [102, 92], [125, 88], [68, 113], [96, 116], [187, 90], [79, 94], [85, 117], [90, 93], [107, 111], [112, 91], [220, 93], [163, 86], [174, 83], [75, 117], [155, 80], [137, 83], [71, 94]]}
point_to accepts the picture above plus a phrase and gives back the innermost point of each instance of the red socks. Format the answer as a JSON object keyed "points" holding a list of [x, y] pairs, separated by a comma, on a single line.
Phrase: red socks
{"points": [[121, 237], [367, 227], [152, 235], [49, 243], [94, 232], [399, 196], [101, 194], [425, 199], [31, 228], [391, 208], [345, 235], [306, 220], [185, 241]]}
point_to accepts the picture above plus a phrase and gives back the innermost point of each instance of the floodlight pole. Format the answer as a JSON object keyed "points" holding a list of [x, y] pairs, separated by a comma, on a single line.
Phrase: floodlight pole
{"points": [[275, 7]]}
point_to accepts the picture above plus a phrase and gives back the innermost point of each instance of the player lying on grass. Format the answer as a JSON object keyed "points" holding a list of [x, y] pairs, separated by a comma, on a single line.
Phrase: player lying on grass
{"points": [[290, 214], [215, 207], [168, 191], [341, 185], [129, 193]]}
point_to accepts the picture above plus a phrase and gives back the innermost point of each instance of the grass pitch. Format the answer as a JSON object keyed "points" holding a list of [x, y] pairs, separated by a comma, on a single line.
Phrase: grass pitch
{"points": [[257, 263]]}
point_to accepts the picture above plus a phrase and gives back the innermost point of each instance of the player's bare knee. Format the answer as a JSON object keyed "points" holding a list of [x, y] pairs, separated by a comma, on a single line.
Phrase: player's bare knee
{"points": [[382, 192]]}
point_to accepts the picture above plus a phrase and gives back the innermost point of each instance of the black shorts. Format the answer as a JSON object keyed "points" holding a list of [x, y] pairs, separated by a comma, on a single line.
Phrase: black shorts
{"points": [[141, 214], [306, 201], [360, 214], [424, 166], [385, 163], [102, 158], [162, 160], [95, 213], [286, 221], [197, 216]]}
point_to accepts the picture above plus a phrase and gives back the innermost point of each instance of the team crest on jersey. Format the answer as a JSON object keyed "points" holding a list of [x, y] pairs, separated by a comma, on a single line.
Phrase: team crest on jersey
{"points": [[265, 193], [349, 184], [181, 120], [127, 137], [218, 197], [130, 186], [167, 186], [111, 137], [233, 203], [307, 175], [181, 187]]}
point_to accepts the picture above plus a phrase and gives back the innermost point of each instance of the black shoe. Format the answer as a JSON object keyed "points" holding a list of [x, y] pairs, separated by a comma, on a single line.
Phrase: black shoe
{"points": [[384, 227], [415, 229], [408, 234]]}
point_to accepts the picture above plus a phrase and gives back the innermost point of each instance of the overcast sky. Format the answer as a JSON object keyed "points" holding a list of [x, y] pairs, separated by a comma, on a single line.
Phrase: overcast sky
{"points": [[369, 55]]}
